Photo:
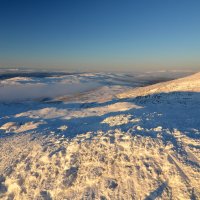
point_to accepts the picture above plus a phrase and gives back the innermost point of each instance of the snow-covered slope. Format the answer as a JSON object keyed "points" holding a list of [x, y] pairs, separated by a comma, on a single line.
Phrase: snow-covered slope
{"points": [[187, 84], [143, 143]]}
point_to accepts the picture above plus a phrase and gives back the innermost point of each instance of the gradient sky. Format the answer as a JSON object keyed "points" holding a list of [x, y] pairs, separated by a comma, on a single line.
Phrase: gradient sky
{"points": [[100, 34]]}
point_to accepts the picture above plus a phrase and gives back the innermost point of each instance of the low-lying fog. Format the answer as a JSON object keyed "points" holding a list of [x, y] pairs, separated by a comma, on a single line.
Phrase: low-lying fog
{"points": [[37, 86], [10, 93]]}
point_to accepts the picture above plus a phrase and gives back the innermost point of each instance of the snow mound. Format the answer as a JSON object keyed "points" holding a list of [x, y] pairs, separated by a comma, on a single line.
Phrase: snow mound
{"points": [[9, 126], [53, 112], [13, 127], [119, 120]]}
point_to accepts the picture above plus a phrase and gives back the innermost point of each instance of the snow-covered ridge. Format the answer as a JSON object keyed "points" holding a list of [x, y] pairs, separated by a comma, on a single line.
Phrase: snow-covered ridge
{"points": [[186, 84]]}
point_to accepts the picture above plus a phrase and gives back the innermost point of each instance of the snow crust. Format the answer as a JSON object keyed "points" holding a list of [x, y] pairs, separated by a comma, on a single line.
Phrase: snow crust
{"points": [[111, 142]]}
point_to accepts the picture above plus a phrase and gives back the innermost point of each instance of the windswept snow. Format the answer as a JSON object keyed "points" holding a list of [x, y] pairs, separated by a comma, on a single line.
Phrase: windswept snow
{"points": [[111, 142], [64, 113], [119, 120], [187, 84]]}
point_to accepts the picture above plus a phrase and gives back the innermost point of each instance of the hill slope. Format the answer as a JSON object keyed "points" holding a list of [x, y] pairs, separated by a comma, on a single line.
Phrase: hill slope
{"points": [[142, 145], [186, 84]]}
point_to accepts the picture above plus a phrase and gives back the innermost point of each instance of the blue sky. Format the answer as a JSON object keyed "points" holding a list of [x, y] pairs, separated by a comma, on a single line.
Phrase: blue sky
{"points": [[100, 35]]}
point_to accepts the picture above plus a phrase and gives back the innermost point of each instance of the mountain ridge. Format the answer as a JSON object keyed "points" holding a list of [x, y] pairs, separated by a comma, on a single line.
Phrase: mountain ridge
{"points": [[186, 84]]}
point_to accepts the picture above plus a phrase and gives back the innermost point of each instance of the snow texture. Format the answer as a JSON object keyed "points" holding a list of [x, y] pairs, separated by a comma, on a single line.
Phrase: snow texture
{"points": [[116, 140]]}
